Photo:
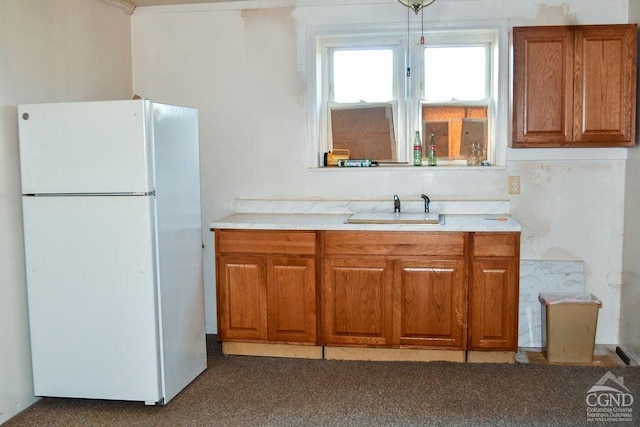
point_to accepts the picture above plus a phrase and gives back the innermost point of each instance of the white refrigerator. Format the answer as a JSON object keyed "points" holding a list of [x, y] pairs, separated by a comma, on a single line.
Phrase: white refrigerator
{"points": [[113, 244]]}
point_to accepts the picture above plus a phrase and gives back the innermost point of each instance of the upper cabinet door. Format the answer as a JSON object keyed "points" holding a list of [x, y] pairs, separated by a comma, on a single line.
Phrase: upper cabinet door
{"points": [[542, 86], [574, 86], [605, 85]]}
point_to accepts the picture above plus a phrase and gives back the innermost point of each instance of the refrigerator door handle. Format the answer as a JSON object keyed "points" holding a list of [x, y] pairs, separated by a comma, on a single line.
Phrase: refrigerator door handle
{"points": [[136, 194]]}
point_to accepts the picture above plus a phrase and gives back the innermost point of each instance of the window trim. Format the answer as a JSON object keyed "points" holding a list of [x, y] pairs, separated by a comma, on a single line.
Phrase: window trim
{"points": [[312, 63], [460, 37], [374, 40]]}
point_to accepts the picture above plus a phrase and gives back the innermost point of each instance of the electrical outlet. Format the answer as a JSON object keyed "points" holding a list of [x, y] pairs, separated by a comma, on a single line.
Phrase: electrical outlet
{"points": [[514, 185]]}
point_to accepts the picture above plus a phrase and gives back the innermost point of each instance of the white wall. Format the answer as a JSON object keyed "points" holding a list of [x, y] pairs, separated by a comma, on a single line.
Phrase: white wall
{"points": [[50, 50], [242, 64], [630, 300]]}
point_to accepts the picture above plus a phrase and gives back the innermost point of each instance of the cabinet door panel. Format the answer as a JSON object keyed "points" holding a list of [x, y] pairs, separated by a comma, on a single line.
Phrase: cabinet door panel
{"points": [[242, 298], [357, 301], [493, 310], [542, 86], [430, 303], [291, 295], [605, 84]]}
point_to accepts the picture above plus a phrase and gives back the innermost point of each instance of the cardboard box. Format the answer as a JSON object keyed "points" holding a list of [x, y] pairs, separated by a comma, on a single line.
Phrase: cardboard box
{"points": [[569, 322]]}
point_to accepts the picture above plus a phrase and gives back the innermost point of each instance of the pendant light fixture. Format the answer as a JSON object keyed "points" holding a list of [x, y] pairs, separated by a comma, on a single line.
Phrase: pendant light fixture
{"points": [[416, 5]]}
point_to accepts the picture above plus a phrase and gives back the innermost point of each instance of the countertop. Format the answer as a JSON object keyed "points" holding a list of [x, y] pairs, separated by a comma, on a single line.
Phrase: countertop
{"points": [[297, 221]]}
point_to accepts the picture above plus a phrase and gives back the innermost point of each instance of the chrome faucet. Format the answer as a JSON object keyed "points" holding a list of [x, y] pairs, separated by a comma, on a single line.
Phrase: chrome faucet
{"points": [[426, 202], [396, 203]]}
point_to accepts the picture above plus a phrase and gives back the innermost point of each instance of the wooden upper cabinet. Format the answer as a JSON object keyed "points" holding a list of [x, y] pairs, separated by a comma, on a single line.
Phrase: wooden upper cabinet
{"points": [[605, 85], [574, 86], [542, 86]]}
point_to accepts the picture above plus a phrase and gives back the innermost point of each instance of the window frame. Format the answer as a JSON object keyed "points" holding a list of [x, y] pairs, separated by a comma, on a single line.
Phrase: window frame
{"points": [[320, 36], [349, 41], [460, 38]]}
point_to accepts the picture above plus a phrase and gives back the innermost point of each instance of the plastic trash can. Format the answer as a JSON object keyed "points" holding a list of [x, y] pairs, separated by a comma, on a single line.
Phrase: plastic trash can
{"points": [[569, 322]]}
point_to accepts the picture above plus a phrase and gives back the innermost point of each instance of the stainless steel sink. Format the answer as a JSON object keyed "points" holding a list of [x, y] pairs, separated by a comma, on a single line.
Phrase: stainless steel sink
{"points": [[396, 218]]}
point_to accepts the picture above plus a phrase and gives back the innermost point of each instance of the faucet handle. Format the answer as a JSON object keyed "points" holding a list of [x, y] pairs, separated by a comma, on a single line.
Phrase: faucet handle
{"points": [[426, 202]]}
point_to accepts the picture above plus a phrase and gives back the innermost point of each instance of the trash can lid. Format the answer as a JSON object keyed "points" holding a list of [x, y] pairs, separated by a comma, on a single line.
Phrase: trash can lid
{"points": [[550, 298]]}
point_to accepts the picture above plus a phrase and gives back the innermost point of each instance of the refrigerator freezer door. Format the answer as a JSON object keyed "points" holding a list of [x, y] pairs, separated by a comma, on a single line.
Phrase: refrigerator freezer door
{"points": [[92, 297], [85, 147]]}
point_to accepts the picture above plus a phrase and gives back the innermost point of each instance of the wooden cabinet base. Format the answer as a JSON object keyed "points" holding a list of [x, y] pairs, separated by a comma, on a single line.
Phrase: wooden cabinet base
{"points": [[272, 350], [365, 353], [369, 295], [491, 357], [392, 354]]}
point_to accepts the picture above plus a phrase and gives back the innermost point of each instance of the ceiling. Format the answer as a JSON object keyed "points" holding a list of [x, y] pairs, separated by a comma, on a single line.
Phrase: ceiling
{"points": [[142, 3]]}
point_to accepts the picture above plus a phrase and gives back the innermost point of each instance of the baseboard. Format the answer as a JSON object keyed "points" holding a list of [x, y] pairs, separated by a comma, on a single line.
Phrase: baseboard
{"points": [[392, 354], [272, 350], [491, 357], [365, 353], [627, 356]]}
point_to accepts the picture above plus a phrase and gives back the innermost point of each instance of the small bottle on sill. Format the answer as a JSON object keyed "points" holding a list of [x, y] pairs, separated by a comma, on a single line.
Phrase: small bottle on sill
{"points": [[417, 150], [432, 160]]}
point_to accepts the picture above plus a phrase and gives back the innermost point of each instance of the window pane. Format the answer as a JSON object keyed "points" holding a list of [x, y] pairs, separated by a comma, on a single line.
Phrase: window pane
{"points": [[455, 73], [362, 75], [366, 130], [455, 127]]}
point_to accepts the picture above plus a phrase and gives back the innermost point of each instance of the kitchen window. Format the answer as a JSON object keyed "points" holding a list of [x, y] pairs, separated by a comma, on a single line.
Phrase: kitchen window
{"points": [[375, 90], [456, 96]]}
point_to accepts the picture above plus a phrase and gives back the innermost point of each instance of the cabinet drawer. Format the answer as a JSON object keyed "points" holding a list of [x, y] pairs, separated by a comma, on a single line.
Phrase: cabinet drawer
{"points": [[496, 244], [265, 242], [394, 243]]}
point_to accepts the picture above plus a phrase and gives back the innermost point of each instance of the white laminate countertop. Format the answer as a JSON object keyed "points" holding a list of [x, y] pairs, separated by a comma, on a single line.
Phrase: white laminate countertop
{"points": [[270, 221]]}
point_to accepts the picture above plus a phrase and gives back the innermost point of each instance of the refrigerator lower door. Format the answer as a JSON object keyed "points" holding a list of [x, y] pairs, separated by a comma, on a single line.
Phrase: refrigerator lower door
{"points": [[92, 297]]}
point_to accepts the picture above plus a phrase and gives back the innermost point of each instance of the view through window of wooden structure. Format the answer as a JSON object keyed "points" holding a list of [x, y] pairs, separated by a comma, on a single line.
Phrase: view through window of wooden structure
{"points": [[455, 127], [367, 131]]}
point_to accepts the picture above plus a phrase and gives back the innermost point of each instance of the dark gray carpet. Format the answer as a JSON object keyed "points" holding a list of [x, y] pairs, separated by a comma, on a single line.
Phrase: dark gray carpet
{"points": [[252, 391]]}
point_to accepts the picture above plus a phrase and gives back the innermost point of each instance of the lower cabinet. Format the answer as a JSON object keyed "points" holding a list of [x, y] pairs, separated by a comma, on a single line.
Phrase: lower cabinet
{"points": [[398, 290], [494, 286], [242, 297], [430, 303], [377, 291], [266, 286], [357, 301]]}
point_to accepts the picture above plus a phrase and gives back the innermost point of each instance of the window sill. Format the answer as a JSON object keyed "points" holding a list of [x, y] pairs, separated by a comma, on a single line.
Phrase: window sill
{"points": [[408, 168]]}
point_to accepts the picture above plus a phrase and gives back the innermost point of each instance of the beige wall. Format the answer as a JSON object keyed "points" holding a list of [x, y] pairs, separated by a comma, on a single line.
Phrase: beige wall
{"points": [[50, 50], [243, 65], [243, 70]]}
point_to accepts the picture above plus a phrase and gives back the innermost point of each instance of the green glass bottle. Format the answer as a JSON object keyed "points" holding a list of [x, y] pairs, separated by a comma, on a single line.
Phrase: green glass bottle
{"points": [[432, 160], [417, 150]]}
